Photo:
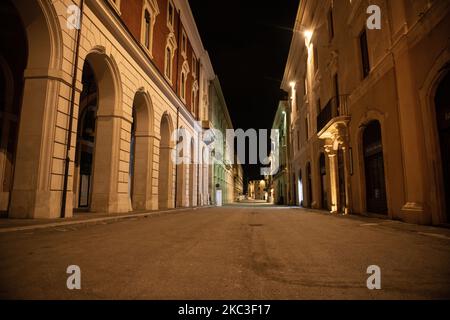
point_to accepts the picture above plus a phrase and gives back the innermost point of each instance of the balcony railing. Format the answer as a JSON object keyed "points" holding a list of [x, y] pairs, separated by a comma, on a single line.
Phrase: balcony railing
{"points": [[336, 107]]}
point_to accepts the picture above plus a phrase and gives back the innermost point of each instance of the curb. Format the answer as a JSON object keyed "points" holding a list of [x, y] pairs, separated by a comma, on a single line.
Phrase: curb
{"points": [[98, 220]]}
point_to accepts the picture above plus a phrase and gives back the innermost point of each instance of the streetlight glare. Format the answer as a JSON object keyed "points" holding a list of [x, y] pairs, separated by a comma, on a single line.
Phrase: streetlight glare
{"points": [[308, 35]]}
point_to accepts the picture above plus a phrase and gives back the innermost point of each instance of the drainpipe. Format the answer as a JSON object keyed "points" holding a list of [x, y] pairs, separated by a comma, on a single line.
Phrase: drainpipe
{"points": [[178, 108], [72, 110], [199, 136]]}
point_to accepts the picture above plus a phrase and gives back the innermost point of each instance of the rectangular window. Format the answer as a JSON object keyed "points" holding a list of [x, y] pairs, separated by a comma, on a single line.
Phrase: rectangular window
{"points": [[183, 86], [307, 127], [169, 63], [147, 29], [171, 14], [364, 53], [194, 65], [336, 92], [330, 24], [184, 43]]}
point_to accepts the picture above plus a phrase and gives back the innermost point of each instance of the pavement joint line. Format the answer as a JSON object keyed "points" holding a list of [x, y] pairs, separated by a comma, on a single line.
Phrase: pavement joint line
{"points": [[97, 220]]}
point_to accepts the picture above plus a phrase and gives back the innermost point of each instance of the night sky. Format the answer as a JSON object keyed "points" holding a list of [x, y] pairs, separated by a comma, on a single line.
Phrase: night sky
{"points": [[248, 42]]}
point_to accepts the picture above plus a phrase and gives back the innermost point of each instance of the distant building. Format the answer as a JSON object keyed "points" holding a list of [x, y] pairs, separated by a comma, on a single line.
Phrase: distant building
{"points": [[238, 182], [279, 182], [257, 190], [222, 171], [370, 109]]}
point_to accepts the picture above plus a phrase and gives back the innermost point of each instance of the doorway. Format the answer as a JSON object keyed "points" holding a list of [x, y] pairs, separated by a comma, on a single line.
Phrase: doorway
{"points": [[376, 199], [323, 182], [84, 160], [13, 61], [341, 176], [309, 185], [442, 101]]}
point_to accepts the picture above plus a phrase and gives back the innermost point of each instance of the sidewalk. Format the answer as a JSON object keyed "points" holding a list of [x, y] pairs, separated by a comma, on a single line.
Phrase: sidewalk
{"points": [[12, 225], [441, 232]]}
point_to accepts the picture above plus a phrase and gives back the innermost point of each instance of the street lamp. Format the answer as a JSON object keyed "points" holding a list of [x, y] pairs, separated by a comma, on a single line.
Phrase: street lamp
{"points": [[308, 36]]}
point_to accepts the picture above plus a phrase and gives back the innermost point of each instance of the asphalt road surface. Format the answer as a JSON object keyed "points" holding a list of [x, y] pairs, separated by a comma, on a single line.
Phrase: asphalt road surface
{"points": [[239, 252]]}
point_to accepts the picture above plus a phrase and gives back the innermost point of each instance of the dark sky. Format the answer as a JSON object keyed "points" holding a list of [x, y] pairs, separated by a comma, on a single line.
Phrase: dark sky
{"points": [[248, 42]]}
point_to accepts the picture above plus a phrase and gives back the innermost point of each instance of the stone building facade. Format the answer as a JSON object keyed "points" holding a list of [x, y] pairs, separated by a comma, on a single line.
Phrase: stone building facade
{"points": [[139, 71], [257, 190], [222, 174], [370, 108], [280, 180], [238, 173]]}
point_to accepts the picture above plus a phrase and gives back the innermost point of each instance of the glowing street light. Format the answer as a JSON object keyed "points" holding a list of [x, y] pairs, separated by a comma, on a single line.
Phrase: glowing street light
{"points": [[308, 35]]}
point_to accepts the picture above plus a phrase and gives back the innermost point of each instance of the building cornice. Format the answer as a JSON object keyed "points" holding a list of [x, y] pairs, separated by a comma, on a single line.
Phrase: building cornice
{"points": [[112, 21]]}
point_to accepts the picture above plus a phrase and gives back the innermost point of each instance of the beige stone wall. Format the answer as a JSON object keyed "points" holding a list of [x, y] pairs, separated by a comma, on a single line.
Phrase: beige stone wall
{"points": [[404, 56], [122, 71]]}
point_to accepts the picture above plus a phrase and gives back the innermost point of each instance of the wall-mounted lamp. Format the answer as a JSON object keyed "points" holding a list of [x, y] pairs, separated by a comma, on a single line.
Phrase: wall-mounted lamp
{"points": [[308, 36]]}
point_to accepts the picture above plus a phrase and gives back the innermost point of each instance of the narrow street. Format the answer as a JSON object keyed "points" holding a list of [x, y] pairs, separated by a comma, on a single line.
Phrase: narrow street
{"points": [[234, 252]]}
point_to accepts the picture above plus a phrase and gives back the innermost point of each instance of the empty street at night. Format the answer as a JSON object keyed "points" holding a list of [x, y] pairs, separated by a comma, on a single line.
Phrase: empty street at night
{"points": [[248, 251]]}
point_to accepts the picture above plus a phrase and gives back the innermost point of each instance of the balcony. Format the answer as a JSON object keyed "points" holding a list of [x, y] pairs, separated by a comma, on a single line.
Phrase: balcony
{"points": [[335, 108]]}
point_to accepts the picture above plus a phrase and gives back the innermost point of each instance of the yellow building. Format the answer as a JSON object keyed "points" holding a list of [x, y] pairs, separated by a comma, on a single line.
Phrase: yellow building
{"points": [[370, 111], [89, 107]]}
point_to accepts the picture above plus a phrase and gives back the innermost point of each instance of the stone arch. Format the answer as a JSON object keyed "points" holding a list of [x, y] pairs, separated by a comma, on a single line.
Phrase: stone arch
{"points": [[110, 84], [106, 191], [374, 115], [44, 32], [434, 169], [141, 152], [165, 176], [33, 195], [374, 168]]}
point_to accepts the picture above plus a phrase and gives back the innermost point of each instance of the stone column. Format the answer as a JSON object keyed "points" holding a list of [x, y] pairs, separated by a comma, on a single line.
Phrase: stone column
{"points": [[411, 130], [33, 195], [143, 173], [4, 191], [107, 195], [347, 160], [334, 183]]}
